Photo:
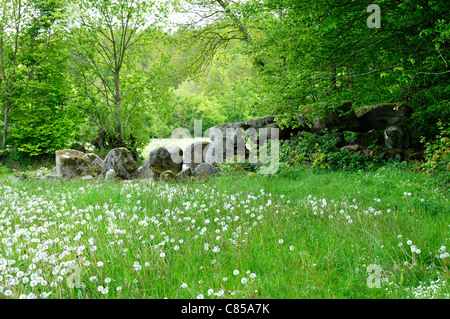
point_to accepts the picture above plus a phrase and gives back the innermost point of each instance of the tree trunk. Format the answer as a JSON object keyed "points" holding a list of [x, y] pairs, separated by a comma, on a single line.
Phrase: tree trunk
{"points": [[118, 105], [5, 126]]}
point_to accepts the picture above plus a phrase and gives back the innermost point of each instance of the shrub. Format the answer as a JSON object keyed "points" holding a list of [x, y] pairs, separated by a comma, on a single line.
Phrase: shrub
{"points": [[238, 168], [437, 152], [322, 151], [346, 160], [308, 148]]}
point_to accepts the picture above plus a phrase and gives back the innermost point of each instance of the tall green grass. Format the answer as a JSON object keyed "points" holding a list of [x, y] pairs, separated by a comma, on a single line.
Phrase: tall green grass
{"points": [[301, 233]]}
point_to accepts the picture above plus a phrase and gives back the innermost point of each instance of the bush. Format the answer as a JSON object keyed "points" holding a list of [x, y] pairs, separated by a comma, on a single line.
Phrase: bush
{"points": [[238, 168], [346, 160], [322, 151], [308, 148], [437, 152], [35, 134]]}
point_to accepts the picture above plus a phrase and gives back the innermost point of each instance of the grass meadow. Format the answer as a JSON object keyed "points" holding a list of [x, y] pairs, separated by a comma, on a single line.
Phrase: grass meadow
{"points": [[301, 233]]}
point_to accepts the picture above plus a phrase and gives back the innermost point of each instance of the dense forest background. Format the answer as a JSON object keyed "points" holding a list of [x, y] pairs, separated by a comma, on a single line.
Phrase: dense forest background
{"points": [[117, 73]]}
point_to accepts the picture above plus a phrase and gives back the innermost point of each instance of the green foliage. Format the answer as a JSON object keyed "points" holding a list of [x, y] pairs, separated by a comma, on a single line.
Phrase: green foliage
{"points": [[239, 168], [307, 148], [42, 122], [116, 76], [324, 52], [322, 151], [32, 173], [346, 160], [424, 119], [36, 138], [4, 171], [188, 108], [437, 151], [224, 92]]}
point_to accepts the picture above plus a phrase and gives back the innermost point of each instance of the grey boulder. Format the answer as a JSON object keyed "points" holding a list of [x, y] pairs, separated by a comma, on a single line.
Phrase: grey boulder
{"points": [[72, 163], [381, 116], [122, 162], [110, 174], [160, 160], [96, 162], [365, 139], [396, 137], [167, 176]]}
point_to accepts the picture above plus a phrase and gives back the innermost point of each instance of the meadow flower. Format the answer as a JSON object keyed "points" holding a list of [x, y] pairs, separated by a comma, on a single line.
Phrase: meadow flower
{"points": [[252, 275], [100, 264], [244, 281], [200, 296], [184, 285], [280, 241], [236, 272], [162, 255], [210, 292], [220, 293], [136, 266]]}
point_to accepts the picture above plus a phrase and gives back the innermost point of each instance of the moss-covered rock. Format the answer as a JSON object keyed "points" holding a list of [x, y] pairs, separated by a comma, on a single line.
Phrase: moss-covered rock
{"points": [[396, 137], [160, 160], [381, 116], [96, 162], [168, 176], [122, 162], [366, 139], [185, 175], [72, 163]]}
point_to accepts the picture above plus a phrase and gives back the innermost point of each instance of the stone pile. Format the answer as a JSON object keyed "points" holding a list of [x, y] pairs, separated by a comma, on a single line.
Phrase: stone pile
{"points": [[378, 124]]}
